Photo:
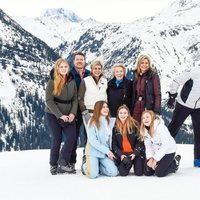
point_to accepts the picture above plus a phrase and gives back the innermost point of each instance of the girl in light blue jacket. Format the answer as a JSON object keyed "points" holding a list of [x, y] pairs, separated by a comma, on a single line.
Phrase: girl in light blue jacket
{"points": [[99, 157]]}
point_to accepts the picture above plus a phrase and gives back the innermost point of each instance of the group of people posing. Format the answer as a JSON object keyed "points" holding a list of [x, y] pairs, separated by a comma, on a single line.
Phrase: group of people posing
{"points": [[121, 117]]}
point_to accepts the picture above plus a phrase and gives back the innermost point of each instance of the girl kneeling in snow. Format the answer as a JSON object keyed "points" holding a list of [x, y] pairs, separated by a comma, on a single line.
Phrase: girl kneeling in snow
{"points": [[99, 157], [160, 146], [127, 147]]}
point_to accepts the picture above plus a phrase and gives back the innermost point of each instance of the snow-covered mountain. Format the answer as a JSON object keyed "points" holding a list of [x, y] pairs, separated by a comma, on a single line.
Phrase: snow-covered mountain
{"points": [[25, 62], [56, 26], [61, 15], [181, 12], [173, 46], [171, 38], [25, 174]]}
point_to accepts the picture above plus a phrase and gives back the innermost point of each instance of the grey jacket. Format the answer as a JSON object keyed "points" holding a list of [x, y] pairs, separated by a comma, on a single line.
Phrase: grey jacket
{"points": [[54, 104]]}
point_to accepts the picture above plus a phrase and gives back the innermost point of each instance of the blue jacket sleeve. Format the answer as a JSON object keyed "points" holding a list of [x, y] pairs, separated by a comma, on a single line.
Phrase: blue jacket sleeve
{"points": [[94, 141]]}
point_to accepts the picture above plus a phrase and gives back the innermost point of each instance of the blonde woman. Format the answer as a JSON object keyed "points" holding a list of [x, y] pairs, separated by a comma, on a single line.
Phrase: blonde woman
{"points": [[99, 157], [119, 89], [128, 149], [160, 146], [61, 107], [146, 89]]}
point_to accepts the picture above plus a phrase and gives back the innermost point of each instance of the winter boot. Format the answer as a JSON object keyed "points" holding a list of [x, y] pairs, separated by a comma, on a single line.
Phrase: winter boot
{"points": [[177, 161], [65, 169], [196, 162], [83, 163], [53, 169], [72, 165]]}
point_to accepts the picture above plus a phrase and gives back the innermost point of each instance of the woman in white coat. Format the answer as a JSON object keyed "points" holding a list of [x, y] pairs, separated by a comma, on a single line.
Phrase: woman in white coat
{"points": [[160, 146]]}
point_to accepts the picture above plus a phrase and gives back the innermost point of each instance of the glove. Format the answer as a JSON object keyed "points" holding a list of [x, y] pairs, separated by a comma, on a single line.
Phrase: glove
{"points": [[86, 116], [140, 149], [62, 123], [171, 101], [127, 162]]}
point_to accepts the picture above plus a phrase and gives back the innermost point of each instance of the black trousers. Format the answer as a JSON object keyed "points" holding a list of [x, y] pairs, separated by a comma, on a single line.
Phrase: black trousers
{"points": [[58, 154], [138, 166], [165, 166], [179, 116], [79, 124]]}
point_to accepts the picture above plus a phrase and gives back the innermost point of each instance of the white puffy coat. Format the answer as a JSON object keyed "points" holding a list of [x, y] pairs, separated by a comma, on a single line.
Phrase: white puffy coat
{"points": [[193, 100], [161, 143], [94, 92]]}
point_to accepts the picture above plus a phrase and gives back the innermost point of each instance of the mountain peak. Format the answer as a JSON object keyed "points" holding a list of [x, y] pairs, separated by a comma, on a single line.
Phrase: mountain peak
{"points": [[60, 13]]}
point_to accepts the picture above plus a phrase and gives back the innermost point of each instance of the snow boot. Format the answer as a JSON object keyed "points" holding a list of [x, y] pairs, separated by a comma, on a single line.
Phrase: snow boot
{"points": [[72, 165], [53, 169], [177, 161], [83, 163], [65, 169]]}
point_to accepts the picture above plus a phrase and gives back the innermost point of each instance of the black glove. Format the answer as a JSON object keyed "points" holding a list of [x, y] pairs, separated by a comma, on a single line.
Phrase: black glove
{"points": [[62, 123], [139, 149], [171, 101], [127, 162]]}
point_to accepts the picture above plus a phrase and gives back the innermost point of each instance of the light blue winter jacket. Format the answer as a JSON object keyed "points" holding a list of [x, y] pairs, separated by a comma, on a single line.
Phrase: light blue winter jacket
{"points": [[99, 140]]}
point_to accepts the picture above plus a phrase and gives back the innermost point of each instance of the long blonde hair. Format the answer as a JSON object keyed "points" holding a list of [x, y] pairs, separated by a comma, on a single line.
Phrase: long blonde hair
{"points": [[129, 124], [59, 80], [142, 126], [140, 59], [97, 113]]}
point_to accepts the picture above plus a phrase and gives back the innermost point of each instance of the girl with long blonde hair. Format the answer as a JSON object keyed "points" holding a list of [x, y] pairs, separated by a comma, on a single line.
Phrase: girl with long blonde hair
{"points": [[126, 145], [160, 146], [59, 78], [61, 107]]}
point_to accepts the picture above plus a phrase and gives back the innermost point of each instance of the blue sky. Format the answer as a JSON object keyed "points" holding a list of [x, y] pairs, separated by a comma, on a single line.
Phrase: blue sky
{"points": [[101, 10]]}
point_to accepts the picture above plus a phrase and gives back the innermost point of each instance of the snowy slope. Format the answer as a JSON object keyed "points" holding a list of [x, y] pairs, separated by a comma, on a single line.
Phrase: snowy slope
{"points": [[25, 62], [25, 175], [181, 12], [5, 86]]}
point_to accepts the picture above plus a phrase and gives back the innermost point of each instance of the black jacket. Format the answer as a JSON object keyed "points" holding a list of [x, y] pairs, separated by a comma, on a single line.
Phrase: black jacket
{"points": [[136, 144], [120, 95]]}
